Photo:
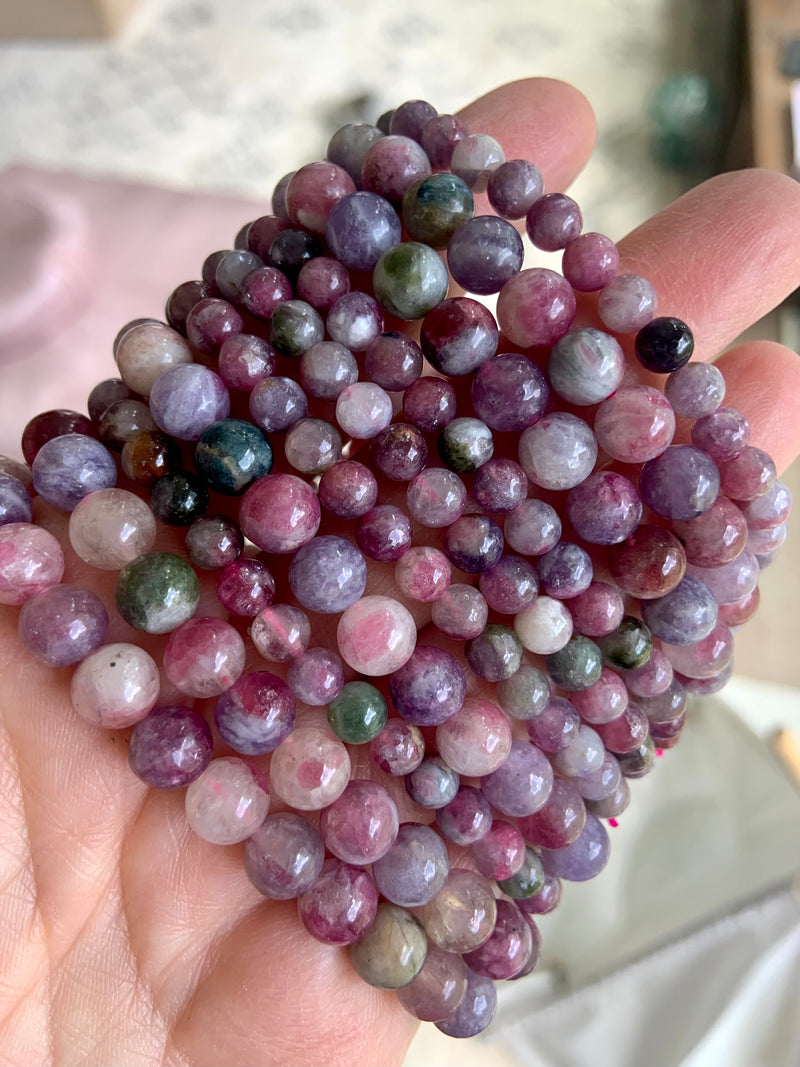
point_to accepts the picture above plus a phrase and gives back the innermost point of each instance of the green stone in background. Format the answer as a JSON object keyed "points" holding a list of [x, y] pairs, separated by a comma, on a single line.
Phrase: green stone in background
{"points": [[157, 592], [627, 647], [358, 713], [577, 665], [529, 879], [410, 280], [434, 208], [392, 951]]}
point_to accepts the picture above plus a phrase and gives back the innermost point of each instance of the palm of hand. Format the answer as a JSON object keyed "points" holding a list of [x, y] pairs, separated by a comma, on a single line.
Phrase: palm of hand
{"points": [[126, 939]]}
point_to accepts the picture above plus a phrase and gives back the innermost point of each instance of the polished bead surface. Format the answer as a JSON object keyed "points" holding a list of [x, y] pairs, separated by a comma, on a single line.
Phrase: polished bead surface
{"points": [[604, 700], [626, 303], [533, 527], [361, 825], [384, 533], [597, 610], [436, 497], [170, 748], [435, 207], [476, 1010], [399, 452], [429, 688], [68, 468], [565, 571], [476, 740], [295, 327], [681, 483], [256, 713], [391, 165], [147, 351], [525, 694], [585, 366], [355, 320], [279, 513], [544, 626], [391, 953], [231, 454], [509, 392], [522, 784], [316, 677], [474, 158], [695, 390], [179, 498], [327, 368], [31, 560], [414, 869], [494, 654], [440, 136], [186, 400], [226, 804], [284, 856], [716, 537], [664, 345], [462, 915], [399, 748], [51, 424], [527, 880], [214, 541], [246, 360], [423, 573], [157, 592], [500, 853], [686, 614], [458, 336], [535, 307], [577, 665], [590, 262], [348, 489], [313, 192], [363, 410], [149, 456], [429, 403], [410, 280], [508, 948], [584, 858], [328, 574], [483, 254], [115, 686], [604, 509], [432, 784], [509, 585], [357, 714], [393, 361], [321, 282], [465, 444], [635, 424], [376, 635], [467, 818], [461, 612], [277, 403], [438, 989], [310, 768], [245, 587], [499, 486], [122, 421], [629, 645], [280, 633], [514, 187], [110, 527], [558, 452], [204, 657], [649, 563], [474, 543], [341, 904]]}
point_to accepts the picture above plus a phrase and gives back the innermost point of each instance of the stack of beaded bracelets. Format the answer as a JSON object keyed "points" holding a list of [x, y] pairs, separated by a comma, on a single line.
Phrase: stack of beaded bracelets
{"points": [[591, 634]]}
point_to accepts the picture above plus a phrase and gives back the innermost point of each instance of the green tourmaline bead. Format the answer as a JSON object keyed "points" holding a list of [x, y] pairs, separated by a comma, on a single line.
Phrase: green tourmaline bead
{"points": [[410, 280], [358, 713], [529, 879], [629, 646], [638, 763], [434, 208], [577, 665], [231, 454], [392, 951], [157, 592]]}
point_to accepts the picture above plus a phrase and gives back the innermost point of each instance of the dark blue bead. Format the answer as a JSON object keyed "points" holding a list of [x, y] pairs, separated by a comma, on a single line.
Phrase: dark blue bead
{"points": [[231, 454]]}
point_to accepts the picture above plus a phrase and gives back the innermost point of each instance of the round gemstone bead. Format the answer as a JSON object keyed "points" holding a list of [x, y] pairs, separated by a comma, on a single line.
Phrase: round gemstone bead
{"points": [[474, 543], [363, 410], [261, 292], [462, 914], [438, 988], [604, 509], [157, 592], [432, 784], [348, 489], [246, 360], [651, 679], [507, 949], [122, 421], [522, 783], [213, 542], [291, 250], [509, 585], [626, 303], [494, 654], [459, 335], [284, 856], [327, 368], [384, 533], [664, 345], [467, 818], [723, 434], [231, 454], [391, 165], [584, 858], [409, 280], [399, 452], [313, 192], [245, 587], [435, 207], [555, 727], [357, 714], [461, 612], [204, 657], [500, 853], [544, 626], [410, 118], [429, 403], [476, 1010], [149, 456], [256, 713], [399, 748], [628, 646], [604, 700], [105, 394], [280, 633], [340, 906], [376, 635], [316, 677], [577, 665], [715, 537], [186, 400], [312, 445], [51, 424], [147, 351], [393, 361], [625, 733], [465, 444], [564, 571], [770, 509], [532, 528], [170, 748], [601, 783], [597, 610], [279, 513], [350, 144], [695, 390], [436, 497], [263, 231], [686, 614], [391, 953], [558, 452], [525, 694], [179, 498], [115, 686], [440, 136], [484, 253], [327, 575], [279, 196], [361, 825], [295, 327], [231, 270], [476, 740], [612, 806], [635, 425], [535, 307], [546, 900], [585, 366], [499, 486], [474, 158], [509, 392], [68, 468], [355, 320], [225, 804], [423, 574], [514, 187], [310, 768], [748, 475], [277, 403], [553, 221], [649, 563], [31, 560], [590, 262], [681, 483], [429, 689], [208, 325], [321, 282], [110, 527], [731, 581]]}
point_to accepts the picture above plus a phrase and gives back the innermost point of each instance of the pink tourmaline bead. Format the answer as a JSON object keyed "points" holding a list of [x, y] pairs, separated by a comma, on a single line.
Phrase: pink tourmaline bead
{"points": [[360, 826], [627, 303], [603, 701], [111, 527], [341, 905], [597, 610], [651, 679], [740, 610], [279, 513], [438, 989], [376, 635], [705, 658], [399, 747], [246, 360], [716, 537], [436, 497], [313, 192], [635, 424], [322, 281], [245, 587], [204, 657], [281, 633], [748, 475], [423, 574], [391, 165], [501, 853], [554, 221], [507, 949], [590, 262], [348, 489], [115, 687], [535, 307], [30, 560], [62, 624], [462, 914], [476, 740], [309, 769], [226, 804], [560, 821]]}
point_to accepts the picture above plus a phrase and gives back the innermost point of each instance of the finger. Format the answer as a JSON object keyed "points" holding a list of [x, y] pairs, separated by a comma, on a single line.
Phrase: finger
{"points": [[721, 256], [540, 119]]}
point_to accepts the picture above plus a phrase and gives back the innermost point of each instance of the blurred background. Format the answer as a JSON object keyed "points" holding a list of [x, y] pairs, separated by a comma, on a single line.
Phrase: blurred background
{"points": [[138, 135]]}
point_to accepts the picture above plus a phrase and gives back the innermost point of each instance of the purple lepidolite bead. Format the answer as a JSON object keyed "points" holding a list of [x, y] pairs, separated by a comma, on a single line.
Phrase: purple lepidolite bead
{"points": [[348, 489], [467, 818], [328, 575], [360, 228], [510, 944], [341, 904], [604, 509], [681, 483], [583, 859], [15, 500], [361, 825], [499, 486], [509, 392], [476, 1010], [695, 390], [284, 857], [186, 400], [484, 253], [429, 688], [399, 748], [171, 747], [558, 451], [686, 614], [316, 677], [68, 468], [432, 784], [522, 784], [256, 713], [61, 625], [279, 513]]}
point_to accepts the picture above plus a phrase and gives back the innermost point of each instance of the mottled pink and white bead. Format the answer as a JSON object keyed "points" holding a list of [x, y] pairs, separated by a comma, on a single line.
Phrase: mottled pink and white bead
{"points": [[363, 410], [115, 686], [204, 657], [476, 740], [226, 804], [310, 769], [111, 527], [376, 635], [635, 424], [30, 560], [146, 351], [423, 573], [279, 513], [544, 626]]}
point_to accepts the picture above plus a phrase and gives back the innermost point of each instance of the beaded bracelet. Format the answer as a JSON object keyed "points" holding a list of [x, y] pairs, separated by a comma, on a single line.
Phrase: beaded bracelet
{"points": [[592, 633]]}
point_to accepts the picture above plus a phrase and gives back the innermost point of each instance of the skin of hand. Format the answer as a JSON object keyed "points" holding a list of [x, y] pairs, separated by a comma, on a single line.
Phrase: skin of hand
{"points": [[126, 939]]}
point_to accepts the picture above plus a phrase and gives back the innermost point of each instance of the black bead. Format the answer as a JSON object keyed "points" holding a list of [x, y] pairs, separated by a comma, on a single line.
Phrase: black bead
{"points": [[384, 122], [664, 345], [291, 249], [179, 498]]}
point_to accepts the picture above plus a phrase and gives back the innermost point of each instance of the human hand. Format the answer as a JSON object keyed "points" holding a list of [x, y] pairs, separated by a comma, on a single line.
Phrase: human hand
{"points": [[124, 938]]}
